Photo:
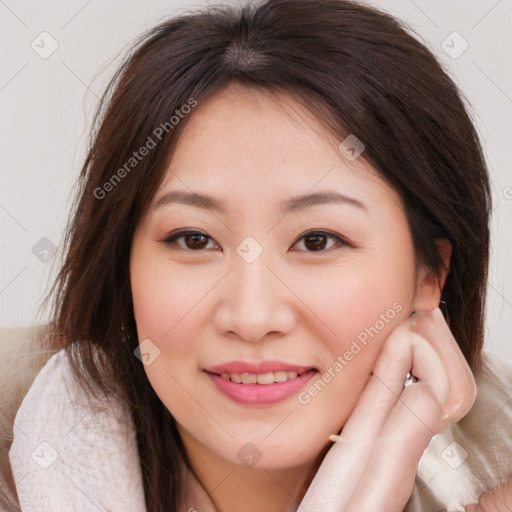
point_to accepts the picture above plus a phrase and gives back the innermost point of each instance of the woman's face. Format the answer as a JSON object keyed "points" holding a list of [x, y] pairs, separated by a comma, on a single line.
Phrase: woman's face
{"points": [[252, 292]]}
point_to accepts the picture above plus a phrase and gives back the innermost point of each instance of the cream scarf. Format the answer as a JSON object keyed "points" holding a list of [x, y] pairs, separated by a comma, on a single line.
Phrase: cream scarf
{"points": [[74, 456]]}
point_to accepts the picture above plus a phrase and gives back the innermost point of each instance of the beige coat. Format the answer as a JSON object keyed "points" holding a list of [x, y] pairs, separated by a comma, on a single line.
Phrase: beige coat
{"points": [[65, 454]]}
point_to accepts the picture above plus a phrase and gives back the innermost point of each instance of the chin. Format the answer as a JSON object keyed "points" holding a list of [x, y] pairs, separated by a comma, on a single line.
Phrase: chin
{"points": [[262, 453]]}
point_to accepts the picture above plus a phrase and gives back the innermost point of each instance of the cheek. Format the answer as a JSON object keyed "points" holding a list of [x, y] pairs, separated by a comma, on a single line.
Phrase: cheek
{"points": [[164, 297], [166, 305], [165, 318], [356, 308], [348, 300], [167, 308], [358, 314]]}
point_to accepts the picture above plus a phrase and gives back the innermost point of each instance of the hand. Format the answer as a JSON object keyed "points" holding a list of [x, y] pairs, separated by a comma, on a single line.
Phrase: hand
{"points": [[496, 500], [373, 467]]}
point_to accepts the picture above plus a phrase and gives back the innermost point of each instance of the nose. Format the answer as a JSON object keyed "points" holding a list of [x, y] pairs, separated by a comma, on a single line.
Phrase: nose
{"points": [[255, 303]]}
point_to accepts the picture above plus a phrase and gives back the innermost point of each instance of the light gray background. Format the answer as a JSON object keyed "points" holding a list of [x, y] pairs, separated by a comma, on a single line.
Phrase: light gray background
{"points": [[46, 106]]}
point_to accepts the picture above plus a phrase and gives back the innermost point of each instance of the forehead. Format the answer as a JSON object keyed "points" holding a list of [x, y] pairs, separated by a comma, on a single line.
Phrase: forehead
{"points": [[244, 142]]}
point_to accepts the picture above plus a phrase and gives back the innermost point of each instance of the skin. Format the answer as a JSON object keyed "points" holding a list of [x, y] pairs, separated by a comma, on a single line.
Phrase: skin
{"points": [[496, 500], [202, 307]]}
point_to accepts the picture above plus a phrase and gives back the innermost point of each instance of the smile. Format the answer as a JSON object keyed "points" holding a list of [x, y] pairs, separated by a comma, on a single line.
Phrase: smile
{"points": [[260, 388], [260, 378]]}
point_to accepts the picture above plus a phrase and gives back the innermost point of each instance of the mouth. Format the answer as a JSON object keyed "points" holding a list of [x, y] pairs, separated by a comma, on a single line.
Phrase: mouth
{"points": [[261, 378], [260, 387]]}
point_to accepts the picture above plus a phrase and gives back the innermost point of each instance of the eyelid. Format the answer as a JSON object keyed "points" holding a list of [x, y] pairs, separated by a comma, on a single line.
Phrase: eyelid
{"points": [[172, 238], [342, 241]]}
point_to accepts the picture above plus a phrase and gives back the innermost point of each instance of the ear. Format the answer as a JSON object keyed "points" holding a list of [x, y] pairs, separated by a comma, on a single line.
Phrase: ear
{"points": [[429, 286]]}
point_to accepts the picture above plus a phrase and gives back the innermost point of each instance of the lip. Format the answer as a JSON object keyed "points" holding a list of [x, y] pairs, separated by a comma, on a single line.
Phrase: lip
{"points": [[259, 394], [261, 367]]}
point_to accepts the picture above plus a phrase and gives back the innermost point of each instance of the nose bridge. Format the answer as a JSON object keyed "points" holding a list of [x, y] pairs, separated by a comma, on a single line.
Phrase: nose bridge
{"points": [[252, 283], [256, 304]]}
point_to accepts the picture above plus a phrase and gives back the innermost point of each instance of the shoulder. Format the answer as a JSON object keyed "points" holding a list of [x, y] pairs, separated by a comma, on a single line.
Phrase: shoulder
{"points": [[73, 453], [473, 455], [22, 355]]}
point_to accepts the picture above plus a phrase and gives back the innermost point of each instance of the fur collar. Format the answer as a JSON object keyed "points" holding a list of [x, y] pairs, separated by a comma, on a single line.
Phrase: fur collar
{"points": [[69, 453]]}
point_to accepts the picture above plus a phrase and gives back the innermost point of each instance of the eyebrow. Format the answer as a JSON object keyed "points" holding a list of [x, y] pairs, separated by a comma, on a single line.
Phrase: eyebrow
{"points": [[293, 204]]}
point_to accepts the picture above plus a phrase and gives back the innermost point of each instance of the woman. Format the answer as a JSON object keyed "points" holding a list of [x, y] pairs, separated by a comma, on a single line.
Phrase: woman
{"points": [[275, 203]]}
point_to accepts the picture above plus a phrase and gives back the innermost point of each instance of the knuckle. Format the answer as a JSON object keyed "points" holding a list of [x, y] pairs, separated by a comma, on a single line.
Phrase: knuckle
{"points": [[462, 399], [494, 501], [421, 407]]}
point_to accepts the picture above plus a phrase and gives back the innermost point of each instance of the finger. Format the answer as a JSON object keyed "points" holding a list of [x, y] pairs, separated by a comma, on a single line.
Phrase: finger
{"points": [[425, 362], [389, 476], [345, 462], [403, 350], [388, 479], [418, 415], [461, 396], [474, 508], [498, 499]]}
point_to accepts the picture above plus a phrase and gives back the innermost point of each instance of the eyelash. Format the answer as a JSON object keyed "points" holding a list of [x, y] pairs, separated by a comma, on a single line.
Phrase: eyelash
{"points": [[172, 239]]}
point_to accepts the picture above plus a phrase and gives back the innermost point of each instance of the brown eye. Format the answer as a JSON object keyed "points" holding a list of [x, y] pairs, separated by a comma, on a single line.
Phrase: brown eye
{"points": [[193, 240], [316, 241]]}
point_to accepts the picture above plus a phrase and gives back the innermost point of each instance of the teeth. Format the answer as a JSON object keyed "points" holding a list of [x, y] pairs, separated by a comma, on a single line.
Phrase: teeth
{"points": [[265, 378], [235, 377], [260, 378], [249, 378], [280, 376]]}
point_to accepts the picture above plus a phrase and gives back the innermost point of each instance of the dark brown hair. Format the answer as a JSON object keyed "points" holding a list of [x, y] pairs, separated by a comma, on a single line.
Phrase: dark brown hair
{"points": [[359, 71]]}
